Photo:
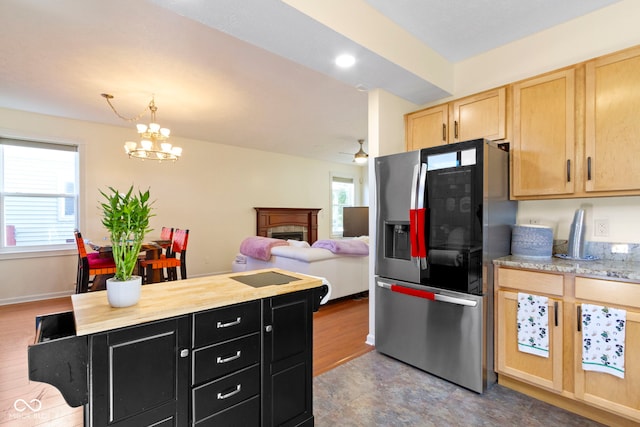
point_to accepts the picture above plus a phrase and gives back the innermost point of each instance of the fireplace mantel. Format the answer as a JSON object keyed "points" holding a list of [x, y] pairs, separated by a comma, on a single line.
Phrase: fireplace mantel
{"points": [[267, 218]]}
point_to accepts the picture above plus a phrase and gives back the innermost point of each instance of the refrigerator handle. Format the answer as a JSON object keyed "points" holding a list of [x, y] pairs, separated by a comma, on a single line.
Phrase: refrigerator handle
{"points": [[432, 296], [413, 214], [423, 223]]}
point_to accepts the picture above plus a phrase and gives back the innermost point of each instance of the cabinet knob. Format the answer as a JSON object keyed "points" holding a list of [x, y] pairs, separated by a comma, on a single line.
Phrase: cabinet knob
{"points": [[184, 352], [268, 328]]}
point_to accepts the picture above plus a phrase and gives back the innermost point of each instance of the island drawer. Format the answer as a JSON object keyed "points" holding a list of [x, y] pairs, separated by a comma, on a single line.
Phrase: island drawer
{"points": [[59, 357], [245, 414], [221, 324], [213, 397], [221, 359]]}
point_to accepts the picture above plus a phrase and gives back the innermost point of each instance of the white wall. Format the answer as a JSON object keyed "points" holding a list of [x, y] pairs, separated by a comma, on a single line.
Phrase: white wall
{"points": [[386, 136], [211, 191]]}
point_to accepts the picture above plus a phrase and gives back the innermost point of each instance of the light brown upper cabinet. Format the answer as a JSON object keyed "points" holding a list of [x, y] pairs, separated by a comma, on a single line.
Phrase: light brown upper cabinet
{"points": [[543, 161], [426, 128], [478, 116], [612, 125]]}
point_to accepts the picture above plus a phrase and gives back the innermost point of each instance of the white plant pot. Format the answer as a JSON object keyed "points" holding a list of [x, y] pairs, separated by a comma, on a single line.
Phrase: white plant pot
{"points": [[124, 293]]}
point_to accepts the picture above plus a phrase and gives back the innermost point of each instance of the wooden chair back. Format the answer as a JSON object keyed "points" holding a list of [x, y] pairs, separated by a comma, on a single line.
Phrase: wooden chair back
{"points": [[82, 250], [167, 234]]}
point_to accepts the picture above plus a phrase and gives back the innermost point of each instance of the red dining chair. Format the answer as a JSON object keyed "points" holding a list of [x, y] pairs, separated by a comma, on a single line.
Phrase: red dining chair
{"points": [[177, 258], [91, 264], [167, 234]]}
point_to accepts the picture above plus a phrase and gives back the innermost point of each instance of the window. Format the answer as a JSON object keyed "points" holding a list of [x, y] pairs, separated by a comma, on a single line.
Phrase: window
{"points": [[343, 193], [38, 195]]}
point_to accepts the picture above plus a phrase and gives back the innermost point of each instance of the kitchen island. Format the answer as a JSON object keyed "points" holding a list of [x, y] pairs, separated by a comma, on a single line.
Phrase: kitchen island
{"points": [[558, 375], [226, 349]]}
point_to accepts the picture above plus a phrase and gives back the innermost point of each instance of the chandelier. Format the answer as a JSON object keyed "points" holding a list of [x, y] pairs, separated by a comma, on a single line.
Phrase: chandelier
{"points": [[360, 157], [153, 143]]}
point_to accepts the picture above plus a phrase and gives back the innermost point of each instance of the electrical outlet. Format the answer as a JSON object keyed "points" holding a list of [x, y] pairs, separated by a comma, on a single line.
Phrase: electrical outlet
{"points": [[535, 221], [601, 227], [620, 249]]}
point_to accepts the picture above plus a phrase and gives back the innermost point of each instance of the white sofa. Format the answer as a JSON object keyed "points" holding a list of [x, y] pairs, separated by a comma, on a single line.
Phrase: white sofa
{"points": [[347, 274]]}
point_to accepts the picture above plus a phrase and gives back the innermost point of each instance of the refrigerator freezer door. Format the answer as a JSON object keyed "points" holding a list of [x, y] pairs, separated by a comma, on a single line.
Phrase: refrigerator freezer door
{"points": [[395, 194], [442, 336]]}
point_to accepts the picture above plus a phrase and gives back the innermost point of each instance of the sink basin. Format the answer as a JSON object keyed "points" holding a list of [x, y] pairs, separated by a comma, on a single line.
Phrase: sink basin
{"points": [[268, 278]]}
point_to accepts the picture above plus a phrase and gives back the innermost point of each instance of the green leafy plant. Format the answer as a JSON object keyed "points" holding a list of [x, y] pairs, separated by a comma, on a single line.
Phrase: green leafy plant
{"points": [[126, 217]]}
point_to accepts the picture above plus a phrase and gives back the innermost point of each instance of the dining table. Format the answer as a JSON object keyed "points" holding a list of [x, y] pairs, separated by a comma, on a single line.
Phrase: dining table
{"points": [[151, 249]]}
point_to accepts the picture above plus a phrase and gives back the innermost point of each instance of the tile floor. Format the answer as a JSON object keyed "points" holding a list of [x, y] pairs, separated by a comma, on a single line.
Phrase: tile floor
{"points": [[375, 390]]}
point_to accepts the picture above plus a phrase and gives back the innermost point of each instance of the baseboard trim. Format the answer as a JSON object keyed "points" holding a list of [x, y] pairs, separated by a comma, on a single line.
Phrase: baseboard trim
{"points": [[575, 406], [31, 298]]}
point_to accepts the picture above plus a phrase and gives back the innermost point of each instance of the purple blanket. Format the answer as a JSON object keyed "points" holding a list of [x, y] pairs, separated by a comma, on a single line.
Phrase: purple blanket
{"points": [[260, 247], [343, 247]]}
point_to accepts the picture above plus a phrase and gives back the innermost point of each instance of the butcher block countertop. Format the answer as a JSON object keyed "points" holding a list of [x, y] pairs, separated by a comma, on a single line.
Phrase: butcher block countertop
{"points": [[93, 314]]}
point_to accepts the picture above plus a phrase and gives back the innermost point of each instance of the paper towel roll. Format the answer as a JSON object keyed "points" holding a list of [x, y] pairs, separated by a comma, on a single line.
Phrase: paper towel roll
{"points": [[448, 258]]}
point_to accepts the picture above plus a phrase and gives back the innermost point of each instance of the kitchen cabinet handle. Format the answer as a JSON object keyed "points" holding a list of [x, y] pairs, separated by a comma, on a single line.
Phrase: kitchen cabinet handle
{"points": [[589, 168], [579, 319], [555, 312], [568, 170], [184, 352], [220, 359], [231, 393], [455, 129], [229, 324], [444, 132]]}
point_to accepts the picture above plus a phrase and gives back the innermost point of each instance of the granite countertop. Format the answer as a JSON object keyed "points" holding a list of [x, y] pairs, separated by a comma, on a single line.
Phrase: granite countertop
{"points": [[602, 268], [93, 314]]}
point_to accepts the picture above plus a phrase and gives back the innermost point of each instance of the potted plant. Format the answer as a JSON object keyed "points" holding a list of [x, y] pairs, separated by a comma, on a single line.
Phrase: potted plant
{"points": [[126, 217]]}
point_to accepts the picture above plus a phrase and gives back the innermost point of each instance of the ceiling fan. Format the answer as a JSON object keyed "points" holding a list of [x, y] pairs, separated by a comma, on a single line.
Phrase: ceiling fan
{"points": [[359, 157]]}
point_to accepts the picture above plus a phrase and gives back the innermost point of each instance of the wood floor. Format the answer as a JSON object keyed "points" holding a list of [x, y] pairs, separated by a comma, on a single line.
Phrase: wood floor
{"points": [[340, 330]]}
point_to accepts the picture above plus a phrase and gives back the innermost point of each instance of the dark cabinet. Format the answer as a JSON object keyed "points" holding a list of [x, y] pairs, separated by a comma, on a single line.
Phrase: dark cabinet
{"points": [[288, 360], [140, 375], [248, 364]]}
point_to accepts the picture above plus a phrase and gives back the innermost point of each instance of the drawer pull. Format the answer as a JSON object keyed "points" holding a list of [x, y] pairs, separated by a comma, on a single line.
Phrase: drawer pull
{"points": [[231, 393], [229, 324], [220, 360]]}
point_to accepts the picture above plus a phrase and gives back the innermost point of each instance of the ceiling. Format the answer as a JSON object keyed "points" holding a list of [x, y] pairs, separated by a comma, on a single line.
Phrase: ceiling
{"points": [[249, 73]]}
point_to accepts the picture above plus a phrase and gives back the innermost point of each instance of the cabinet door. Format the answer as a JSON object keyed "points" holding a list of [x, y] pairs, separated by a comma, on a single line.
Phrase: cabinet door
{"points": [[139, 375], [544, 135], [541, 371], [619, 395], [612, 125], [479, 116], [288, 350], [426, 128]]}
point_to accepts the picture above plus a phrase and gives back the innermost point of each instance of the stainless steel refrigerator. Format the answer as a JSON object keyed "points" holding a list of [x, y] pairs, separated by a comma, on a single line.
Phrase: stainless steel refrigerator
{"points": [[443, 214]]}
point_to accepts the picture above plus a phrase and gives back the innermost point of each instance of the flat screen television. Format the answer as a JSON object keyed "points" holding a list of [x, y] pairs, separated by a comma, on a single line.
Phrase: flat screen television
{"points": [[355, 221]]}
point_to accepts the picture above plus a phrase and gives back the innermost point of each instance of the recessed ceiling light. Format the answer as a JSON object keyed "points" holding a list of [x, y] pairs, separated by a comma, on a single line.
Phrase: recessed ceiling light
{"points": [[345, 60]]}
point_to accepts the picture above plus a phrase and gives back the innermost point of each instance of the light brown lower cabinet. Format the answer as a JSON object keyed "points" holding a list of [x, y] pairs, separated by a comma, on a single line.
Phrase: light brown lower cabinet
{"points": [[560, 379], [603, 390], [543, 371]]}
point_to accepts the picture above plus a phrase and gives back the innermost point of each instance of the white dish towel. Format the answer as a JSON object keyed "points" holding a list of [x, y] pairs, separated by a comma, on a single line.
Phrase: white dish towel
{"points": [[533, 324], [603, 339]]}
